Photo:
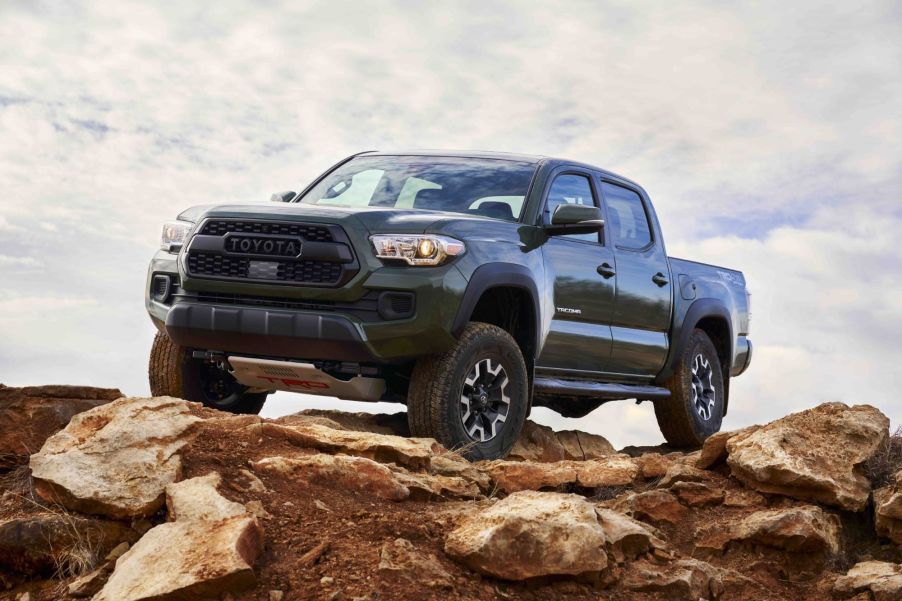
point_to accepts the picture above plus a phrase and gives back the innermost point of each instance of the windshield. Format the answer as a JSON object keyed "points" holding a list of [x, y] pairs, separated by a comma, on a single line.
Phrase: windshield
{"points": [[488, 187]]}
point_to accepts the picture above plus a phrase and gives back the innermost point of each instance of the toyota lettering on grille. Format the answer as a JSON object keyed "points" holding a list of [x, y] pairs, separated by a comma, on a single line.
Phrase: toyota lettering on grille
{"points": [[270, 246]]}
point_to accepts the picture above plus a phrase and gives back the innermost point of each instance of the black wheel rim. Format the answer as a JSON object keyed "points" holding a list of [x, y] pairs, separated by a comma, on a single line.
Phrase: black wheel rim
{"points": [[218, 386], [485, 400], [704, 396]]}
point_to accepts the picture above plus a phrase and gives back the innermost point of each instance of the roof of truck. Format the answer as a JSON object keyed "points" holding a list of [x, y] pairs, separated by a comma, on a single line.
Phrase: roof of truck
{"points": [[534, 159]]}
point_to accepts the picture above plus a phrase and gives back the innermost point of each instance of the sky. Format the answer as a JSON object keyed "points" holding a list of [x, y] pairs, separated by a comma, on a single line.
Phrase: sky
{"points": [[768, 134]]}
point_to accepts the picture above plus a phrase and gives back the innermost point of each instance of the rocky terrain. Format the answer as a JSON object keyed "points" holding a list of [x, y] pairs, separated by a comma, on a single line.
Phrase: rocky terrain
{"points": [[119, 499]]}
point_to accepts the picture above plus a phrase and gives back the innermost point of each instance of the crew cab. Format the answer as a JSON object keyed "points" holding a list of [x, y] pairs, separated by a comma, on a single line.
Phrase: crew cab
{"points": [[468, 286]]}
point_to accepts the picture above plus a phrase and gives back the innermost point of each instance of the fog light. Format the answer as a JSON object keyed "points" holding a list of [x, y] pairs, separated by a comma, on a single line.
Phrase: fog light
{"points": [[161, 287]]}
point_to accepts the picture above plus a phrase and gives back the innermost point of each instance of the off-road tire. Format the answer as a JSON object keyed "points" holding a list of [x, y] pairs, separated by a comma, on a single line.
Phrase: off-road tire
{"points": [[173, 372], [678, 417], [437, 383]]}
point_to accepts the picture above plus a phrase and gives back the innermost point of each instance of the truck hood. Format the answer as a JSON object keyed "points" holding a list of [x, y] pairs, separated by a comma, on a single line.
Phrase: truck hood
{"points": [[373, 219]]}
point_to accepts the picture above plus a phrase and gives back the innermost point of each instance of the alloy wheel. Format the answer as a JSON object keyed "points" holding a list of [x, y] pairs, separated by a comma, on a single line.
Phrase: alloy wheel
{"points": [[704, 395], [485, 400]]}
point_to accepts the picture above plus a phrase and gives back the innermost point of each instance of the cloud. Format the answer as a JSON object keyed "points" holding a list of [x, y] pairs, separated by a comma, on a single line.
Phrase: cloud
{"points": [[770, 140]]}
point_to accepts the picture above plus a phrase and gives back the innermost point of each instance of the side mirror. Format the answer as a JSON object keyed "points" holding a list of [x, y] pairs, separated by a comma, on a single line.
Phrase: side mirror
{"points": [[575, 219], [282, 196]]}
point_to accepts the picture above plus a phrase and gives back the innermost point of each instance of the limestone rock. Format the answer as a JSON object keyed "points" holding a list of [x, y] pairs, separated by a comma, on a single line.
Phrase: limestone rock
{"points": [[615, 470], [681, 580], [30, 415], [384, 448], [655, 505], [683, 472], [449, 464], [210, 548], [434, 486], [697, 494], [812, 455], [43, 542], [544, 445], [653, 465], [625, 537], [882, 579], [531, 534], [714, 449], [888, 510], [356, 474], [806, 529], [400, 557], [377, 423], [115, 459], [513, 476]]}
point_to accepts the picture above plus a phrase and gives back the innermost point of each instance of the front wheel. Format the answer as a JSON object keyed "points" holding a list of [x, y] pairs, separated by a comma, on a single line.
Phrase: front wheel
{"points": [[174, 372], [694, 410], [472, 398]]}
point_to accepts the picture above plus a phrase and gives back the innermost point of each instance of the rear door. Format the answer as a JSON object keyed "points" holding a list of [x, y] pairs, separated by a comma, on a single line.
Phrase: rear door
{"points": [[642, 308], [579, 337]]}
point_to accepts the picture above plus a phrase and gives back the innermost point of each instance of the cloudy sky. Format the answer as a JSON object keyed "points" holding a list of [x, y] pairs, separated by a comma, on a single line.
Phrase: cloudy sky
{"points": [[769, 137]]}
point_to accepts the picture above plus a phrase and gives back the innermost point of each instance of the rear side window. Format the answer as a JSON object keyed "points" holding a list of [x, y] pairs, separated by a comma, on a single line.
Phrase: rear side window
{"points": [[627, 222], [570, 189]]}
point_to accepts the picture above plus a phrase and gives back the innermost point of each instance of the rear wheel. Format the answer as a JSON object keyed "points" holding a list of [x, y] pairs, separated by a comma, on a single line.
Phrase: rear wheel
{"points": [[472, 398], [694, 410], [174, 372]]}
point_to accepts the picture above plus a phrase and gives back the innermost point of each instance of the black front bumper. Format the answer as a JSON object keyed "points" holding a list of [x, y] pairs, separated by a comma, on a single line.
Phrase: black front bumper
{"points": [[267, 332]]}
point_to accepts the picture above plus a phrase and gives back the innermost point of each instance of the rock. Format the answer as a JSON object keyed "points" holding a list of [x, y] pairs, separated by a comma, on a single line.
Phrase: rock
{"points": [[207, 550], [531, 534], [616, 470], [276, 595], [683, 472], [888, 510], [30, 415], [91, 583], [881, 578], [356, 474], [256, 509], [44, 542], [812, 455], [714, 449], [432, 486], [681, 580], [514, 476], [655, 505], [625, 538], [448, 464], [653, 465], [400, 557], [743, 497], [806, 529], [697, 494], [411, 452], [115, 459], [542, 444], [378, 423]]}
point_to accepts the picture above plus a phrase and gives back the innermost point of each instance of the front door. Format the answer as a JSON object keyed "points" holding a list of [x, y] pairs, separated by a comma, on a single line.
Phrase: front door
{"points": [[581, 267], [641, 319]]}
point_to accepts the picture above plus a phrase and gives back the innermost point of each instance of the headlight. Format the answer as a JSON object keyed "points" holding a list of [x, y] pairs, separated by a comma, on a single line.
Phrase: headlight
{"points": [[426, 249], [174, 235]]}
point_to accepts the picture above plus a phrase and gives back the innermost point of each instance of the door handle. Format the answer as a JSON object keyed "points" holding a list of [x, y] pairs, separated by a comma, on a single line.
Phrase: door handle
{"points": [[605, 270], [660, 279]]}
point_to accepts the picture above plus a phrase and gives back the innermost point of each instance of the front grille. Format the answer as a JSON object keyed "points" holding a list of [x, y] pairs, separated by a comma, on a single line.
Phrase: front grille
{"points": [[313, 233], [207, 255]]}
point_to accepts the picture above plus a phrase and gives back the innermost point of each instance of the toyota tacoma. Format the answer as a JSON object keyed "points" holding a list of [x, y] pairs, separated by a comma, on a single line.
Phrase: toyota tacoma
{"points": [[468, 286]]}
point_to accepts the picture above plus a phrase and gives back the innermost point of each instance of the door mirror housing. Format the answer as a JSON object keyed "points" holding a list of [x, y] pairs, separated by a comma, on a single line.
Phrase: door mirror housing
{"points": [[282, 196], [575, 219]]}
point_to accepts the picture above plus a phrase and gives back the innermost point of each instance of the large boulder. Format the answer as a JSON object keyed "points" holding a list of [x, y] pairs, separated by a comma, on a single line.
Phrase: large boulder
{"points": [[812, 455], [30, 415], [531, 534], [888, 510], [116, 459], [881, 578], [806, 529], [209, 549]]}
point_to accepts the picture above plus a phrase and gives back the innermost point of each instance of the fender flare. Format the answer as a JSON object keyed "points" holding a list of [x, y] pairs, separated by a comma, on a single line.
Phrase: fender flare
{"points": [[498, 275], [698, 310]]}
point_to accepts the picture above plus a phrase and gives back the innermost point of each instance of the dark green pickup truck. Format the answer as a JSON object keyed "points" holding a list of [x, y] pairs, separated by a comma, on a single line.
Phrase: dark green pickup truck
{"points": [[469, 286]]}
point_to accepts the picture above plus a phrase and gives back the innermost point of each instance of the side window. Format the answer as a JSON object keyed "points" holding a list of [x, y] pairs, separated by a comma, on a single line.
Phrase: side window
{"points": [[627, 221], [570, 189]]}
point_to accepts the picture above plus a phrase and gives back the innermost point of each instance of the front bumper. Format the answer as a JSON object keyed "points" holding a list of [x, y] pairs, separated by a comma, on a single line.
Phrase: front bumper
{"points": [[309, 334]]}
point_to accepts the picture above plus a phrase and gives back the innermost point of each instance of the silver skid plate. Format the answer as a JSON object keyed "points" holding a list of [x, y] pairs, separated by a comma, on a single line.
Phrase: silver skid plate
{"points": [[303, 377]]}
